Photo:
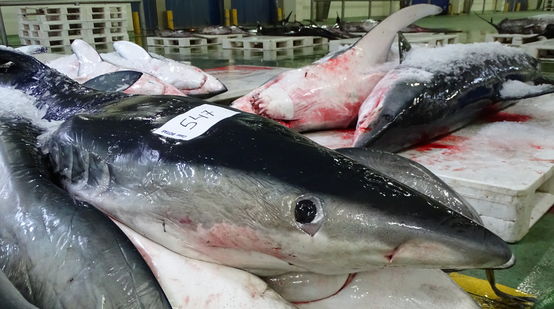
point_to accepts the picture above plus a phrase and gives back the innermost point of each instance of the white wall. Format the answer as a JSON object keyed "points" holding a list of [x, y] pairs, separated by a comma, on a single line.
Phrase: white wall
{"points": [[9, 13]]}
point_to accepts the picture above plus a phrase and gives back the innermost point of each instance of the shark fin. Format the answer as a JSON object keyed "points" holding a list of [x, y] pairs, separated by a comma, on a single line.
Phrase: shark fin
{"points": [[403, 46], [131, 51], [375, 45], [114, 82]]}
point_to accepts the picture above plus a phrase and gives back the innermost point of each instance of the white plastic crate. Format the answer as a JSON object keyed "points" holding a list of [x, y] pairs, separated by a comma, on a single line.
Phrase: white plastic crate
{"points": [[59, 13], [504, 168], [502, 165], [183, 51], [176, 42], [543, 50], [273, 42], [431, 39], [269, 55], [217, 39], [97, 24], [419, 39], [510, 39]]}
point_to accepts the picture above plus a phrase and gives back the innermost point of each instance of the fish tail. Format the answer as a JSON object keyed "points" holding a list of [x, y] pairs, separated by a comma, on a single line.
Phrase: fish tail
{"points": [[16, 67], [488, 22]]}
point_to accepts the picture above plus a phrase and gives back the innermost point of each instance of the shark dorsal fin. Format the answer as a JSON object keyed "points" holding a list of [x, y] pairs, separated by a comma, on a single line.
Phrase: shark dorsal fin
{"points": [[84, 52], [375, 45], [131, 51]]}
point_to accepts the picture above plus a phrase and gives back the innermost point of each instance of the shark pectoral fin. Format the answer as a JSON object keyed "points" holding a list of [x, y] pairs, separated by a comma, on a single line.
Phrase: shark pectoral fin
{"points": [[84, 52], [131, 51], [517, 90], [115, 81], [403, 46]]}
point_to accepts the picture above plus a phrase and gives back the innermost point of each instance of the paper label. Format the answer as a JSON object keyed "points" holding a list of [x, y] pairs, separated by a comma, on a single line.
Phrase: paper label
{"points": [[194, 122]]}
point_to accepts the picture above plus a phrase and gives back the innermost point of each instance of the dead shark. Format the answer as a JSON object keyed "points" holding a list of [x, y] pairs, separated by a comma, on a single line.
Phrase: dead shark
{"points": [[58, 252], [266, 199], [328, 93]]}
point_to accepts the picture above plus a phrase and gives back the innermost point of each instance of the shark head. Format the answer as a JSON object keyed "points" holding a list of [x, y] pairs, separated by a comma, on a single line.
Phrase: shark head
{"points": [[251, 194], [211, 87]]}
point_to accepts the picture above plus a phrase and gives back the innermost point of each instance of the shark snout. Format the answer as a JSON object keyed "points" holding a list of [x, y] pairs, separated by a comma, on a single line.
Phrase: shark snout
{"points": [[273, 103], [214, 86], [446, 239]]}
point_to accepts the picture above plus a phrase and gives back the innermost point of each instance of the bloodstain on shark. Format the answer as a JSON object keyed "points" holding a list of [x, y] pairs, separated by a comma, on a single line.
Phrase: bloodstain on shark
{"points": [[224, 235], [504, 116]]}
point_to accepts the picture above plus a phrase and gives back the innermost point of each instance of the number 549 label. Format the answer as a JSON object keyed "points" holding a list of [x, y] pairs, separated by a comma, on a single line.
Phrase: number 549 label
{"points": [[194, 122]]}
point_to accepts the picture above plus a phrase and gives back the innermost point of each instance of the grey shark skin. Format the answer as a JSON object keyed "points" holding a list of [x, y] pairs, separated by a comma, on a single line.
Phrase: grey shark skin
{"points": [[413, 175], [539, 24], [417, 101], [57, 94], [10, 296], [57, 252], [252, 194]]}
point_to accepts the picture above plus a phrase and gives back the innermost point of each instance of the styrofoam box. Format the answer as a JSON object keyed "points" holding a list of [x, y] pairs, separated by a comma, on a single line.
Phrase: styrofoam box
{"points": [[503, 166]]}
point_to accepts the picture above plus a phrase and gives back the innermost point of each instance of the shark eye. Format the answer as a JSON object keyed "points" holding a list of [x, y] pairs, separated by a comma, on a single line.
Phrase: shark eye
{"points": [[308, 213]]}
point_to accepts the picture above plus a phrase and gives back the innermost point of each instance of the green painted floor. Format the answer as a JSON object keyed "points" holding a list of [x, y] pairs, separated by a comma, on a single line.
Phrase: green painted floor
{"points": [[534, 271]]}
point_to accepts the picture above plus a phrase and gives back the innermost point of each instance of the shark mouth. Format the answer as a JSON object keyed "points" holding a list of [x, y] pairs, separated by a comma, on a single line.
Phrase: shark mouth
{"points": [[347, 282]]}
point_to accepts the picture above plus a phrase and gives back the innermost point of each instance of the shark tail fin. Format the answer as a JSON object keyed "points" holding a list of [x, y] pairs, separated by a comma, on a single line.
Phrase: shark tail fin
{"points": [[114, 81], [403, 46], [377, 42], [17, 68], [488, 22]]}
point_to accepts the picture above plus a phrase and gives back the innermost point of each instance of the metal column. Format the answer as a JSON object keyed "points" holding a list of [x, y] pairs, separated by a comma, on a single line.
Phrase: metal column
{"points": [[3, 30]]}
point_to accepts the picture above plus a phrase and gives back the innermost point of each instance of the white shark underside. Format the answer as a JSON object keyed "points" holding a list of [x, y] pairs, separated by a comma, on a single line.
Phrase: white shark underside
{"points": [[86, 64], [328, 93]]}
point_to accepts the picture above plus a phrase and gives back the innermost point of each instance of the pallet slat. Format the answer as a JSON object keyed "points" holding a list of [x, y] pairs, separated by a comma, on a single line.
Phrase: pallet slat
{"points": [[272, 42]]}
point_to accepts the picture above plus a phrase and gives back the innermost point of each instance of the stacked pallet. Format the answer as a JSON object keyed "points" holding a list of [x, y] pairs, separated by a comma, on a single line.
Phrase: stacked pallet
{"points": [[56, 27], [196, 41]]}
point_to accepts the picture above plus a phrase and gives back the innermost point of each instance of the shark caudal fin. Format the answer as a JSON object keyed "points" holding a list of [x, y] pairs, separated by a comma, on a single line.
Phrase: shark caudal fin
{"points": [[375, 45], [403, 46], [114, 81], [84, 52], [488, 22], [131, 51], [57, 94]]}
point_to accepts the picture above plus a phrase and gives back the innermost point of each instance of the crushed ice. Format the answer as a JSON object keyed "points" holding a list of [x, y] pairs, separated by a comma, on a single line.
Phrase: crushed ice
{"points": [[18, 104], [518, 89]]}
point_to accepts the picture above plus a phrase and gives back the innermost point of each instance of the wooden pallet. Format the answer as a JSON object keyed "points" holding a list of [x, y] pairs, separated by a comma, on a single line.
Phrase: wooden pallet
{"points": [[510, 39], [273, 42]]}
